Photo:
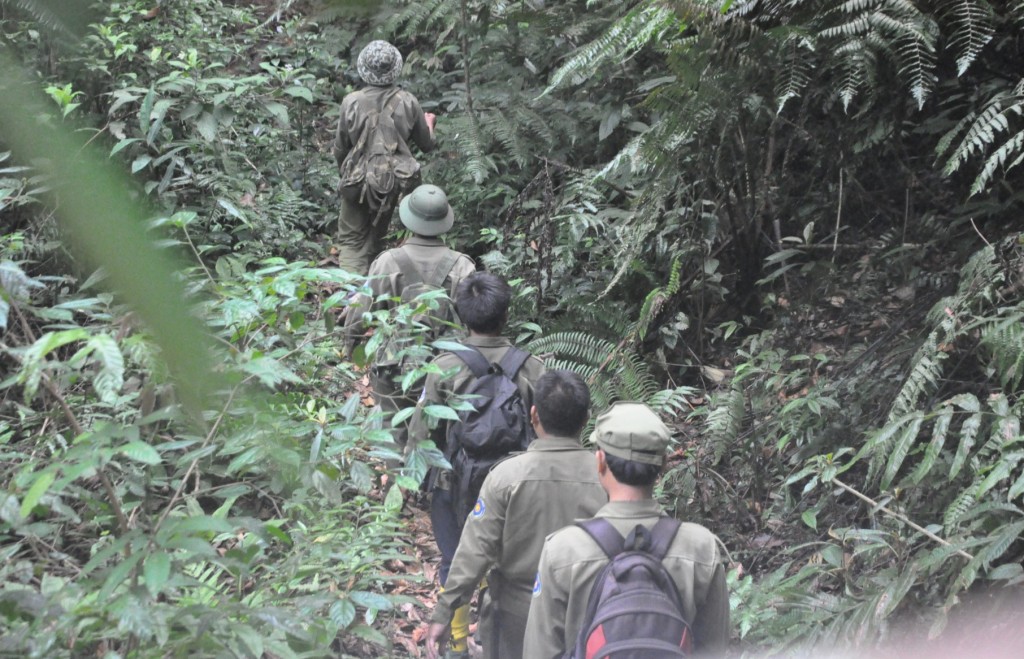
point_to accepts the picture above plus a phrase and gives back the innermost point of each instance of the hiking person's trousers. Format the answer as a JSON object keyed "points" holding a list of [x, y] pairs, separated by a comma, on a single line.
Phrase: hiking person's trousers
{"points": [[361, 234]]}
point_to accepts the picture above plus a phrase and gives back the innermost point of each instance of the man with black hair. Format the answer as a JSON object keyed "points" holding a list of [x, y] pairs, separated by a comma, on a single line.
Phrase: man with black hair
{"points": [[524, 498], [631, 442], [482, 301]]}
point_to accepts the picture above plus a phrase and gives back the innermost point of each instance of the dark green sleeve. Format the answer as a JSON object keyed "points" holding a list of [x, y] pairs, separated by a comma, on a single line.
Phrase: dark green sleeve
{"points": [[420, 131], [342, 143]]}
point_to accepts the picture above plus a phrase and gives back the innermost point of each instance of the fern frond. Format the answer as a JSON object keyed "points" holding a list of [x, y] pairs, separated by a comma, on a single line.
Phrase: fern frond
{"points": [[983, 130], [1003, 538], [924, 375], [796, 69], [579, 346], [968, 435], [57, 16], [724, 422], [619, 43], [657, 298], [940, 430], [672, 402], [900, 450], [1011, 148], [959, 507], [971, 25], [423, 17], [469, 141]]}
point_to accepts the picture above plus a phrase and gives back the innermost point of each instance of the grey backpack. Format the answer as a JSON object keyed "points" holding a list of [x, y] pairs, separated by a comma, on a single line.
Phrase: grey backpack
{"points": [[634, 610]]}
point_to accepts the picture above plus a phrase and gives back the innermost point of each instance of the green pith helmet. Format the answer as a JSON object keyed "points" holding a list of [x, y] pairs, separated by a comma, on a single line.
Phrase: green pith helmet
{"points": [[426, 211]]}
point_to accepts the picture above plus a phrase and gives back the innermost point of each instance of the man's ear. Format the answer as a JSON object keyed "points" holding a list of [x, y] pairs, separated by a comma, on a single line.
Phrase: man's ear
{"points": [[534, 417], [602, 464]]}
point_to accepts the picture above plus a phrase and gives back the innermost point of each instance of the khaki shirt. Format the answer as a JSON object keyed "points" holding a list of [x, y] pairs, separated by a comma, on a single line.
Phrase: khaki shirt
{"points": [[356, 109], [571, 562], [523, 499], [386, 278], [440, 391]]}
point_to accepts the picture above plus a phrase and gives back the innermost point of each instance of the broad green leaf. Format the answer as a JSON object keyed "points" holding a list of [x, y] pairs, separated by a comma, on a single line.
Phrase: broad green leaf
{"points": [[401, 416], [441, 412], [207, 126], [39, 487], [250, 638], [1007, 571], [146, 109], [342, 613], [298, 91], [119, 574], [279, 111], [810, 518], [394, 499], [141, 452], [156, 570], [371, 600]]}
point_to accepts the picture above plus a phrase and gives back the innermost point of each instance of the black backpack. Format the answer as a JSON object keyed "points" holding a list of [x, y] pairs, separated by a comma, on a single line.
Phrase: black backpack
{"points": [[634, 610], [498, 424]]}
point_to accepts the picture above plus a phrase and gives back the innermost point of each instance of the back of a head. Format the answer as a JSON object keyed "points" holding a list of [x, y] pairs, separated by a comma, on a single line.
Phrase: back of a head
{"points": [[562, 400], [634, 440], [482, 301]]}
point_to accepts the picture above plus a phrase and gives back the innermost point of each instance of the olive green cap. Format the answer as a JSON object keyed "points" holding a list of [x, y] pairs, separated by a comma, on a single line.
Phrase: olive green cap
{"points": [[632, 431], [426, 211]]}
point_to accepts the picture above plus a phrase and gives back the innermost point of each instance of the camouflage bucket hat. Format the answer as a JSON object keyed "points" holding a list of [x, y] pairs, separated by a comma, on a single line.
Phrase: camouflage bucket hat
{"points": [[632, 431], [425, 211], [379, 63]]}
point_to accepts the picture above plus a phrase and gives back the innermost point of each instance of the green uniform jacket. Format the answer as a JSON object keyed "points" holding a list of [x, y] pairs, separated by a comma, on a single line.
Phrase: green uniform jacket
{"points": [[386, 277], [571, 562], [357, 108], [523, 499], [440, 391]]}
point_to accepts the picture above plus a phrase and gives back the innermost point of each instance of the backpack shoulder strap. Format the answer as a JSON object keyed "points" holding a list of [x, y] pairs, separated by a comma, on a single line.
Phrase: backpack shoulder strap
{"points": [[476, 362], [512, 361], [443, 267], [662, 535], [604, 534], [409, 272]]}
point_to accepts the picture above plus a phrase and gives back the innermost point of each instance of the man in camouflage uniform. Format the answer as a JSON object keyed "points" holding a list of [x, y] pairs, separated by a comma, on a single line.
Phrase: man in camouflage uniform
{"points": [[524, 498], [364, 218], [631, 442], [423, 260], [482, 302]]}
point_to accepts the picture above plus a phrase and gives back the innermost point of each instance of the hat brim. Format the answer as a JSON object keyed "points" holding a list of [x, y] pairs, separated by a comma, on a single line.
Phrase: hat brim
{"points": [[422, 226]]}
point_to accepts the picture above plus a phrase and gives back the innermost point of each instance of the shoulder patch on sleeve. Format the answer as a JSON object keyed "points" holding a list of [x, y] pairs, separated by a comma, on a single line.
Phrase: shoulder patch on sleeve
{"points": [[536, 586], [479, 509]]}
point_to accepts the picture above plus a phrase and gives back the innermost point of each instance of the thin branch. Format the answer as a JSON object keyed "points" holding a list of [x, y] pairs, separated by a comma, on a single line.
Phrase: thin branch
{"points": [[899, 516]]}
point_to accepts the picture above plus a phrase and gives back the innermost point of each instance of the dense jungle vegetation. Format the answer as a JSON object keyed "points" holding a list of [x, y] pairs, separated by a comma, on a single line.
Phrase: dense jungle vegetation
{"points": [[791, 225]]}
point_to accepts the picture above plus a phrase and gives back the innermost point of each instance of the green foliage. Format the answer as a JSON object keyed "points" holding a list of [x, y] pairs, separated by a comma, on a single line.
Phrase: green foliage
{"points": [[669, 185]]}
